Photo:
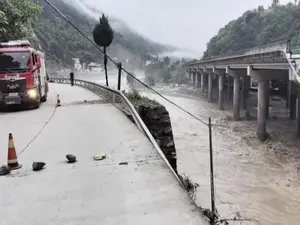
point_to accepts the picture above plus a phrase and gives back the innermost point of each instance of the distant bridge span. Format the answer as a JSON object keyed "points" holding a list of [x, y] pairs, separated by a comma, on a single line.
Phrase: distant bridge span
{"points": [[262, 64]]}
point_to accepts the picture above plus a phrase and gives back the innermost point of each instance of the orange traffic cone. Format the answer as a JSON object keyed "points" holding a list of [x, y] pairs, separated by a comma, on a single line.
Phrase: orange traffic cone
{"points": [[58, 101], [12, 160]]}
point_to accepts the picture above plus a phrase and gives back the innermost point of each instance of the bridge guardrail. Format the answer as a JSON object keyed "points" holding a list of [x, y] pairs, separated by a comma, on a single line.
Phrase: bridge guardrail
{"points": [[120, 101], [263, 49], [282, 47]]}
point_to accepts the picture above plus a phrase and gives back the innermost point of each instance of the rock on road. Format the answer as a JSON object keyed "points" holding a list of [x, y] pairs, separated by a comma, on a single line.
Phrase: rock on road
{"points": [[88, 192]]}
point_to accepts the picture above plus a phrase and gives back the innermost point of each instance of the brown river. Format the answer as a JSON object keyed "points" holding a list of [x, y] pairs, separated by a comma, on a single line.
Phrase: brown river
{"points": [[253, 181]]}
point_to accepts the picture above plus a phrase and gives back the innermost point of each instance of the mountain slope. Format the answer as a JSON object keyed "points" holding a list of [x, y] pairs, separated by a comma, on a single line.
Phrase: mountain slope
{"points": [[256, 27], [62, 42]]}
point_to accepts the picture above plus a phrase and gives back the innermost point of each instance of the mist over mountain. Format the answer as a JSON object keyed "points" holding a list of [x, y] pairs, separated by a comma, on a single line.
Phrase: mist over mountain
{"points": [[62, 42]]}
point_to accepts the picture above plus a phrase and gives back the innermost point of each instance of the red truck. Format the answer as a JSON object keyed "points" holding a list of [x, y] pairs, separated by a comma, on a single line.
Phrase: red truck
{"points": [[23, 79]]}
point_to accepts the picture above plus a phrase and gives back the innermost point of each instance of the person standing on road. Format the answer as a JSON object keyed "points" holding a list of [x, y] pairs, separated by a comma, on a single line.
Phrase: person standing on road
{"points": [[72, 78]]}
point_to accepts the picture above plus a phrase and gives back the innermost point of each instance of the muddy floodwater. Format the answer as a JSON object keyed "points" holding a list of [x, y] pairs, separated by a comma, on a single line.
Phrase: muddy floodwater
{"points": [[253, 180]]}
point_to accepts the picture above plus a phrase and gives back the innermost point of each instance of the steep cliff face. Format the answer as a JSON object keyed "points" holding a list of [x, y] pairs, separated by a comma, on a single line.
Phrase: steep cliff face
{"points": [[157, 119]]}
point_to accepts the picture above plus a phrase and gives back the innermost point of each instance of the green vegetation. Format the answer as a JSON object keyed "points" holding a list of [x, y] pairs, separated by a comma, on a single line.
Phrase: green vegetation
{"points": [[14, 19], [137, 99], [257, 27], [103, 36], [165, 71]]}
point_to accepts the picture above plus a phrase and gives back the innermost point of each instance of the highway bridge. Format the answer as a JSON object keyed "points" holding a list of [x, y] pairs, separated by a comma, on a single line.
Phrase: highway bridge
{"points": [[275, 61], [134, 184]]}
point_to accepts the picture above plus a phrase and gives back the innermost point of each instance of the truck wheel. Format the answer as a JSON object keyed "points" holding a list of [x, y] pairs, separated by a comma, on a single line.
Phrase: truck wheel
{"points": [[44, 98], [37, 105]]}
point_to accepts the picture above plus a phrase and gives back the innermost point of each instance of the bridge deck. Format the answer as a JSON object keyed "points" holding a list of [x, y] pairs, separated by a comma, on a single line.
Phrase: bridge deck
{"points": [[88, 192]]}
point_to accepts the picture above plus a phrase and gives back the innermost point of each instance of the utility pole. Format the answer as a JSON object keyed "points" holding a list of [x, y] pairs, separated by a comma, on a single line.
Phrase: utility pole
{"points": [[212, 185], [119, 75]]}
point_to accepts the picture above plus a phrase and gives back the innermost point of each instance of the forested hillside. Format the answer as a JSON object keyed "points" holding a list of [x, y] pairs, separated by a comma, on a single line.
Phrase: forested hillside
{"points": [[257, 27], [37, 21], [62, 43]]}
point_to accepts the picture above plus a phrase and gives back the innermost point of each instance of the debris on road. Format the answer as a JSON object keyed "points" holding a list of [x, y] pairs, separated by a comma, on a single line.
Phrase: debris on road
{"points": [[36, 166], [99, 157], [71, 158], [4, 170], [123, 163]]}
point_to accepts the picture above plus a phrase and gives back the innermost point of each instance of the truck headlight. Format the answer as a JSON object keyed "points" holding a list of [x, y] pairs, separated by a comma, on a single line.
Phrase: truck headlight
{"points": [[32, 93]]}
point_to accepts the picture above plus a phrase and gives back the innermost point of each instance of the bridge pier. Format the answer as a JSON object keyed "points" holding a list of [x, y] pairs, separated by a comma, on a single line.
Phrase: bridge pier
{"points": [[287, 102], [221, 81], [204, 80], [298, 113], [236, 97], [236, 74], [221, 92], [210, 81], [189, 77], [229, 88], [292, 99], [198, 79], [263, 96], [245, 91], [192, 78]]}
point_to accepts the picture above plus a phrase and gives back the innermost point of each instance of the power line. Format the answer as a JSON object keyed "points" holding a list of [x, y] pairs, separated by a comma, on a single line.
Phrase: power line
{"points": [[127, 72]]}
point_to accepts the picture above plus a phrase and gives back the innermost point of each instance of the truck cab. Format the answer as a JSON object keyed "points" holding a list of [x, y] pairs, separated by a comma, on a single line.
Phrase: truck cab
{"points": [[22, 75]]}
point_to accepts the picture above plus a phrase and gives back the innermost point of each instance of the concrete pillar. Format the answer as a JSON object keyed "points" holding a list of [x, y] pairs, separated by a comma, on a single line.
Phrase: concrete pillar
{"points": [[245, 91], [236, 98], [293, 92], [229, 87], [221, 92], [196, 79], [293, 101], [192, 78], [210, 80], [199, 79], [187, 74], [202, 82], [298, 113], [263, 96], [268, 100], [288, 91]]}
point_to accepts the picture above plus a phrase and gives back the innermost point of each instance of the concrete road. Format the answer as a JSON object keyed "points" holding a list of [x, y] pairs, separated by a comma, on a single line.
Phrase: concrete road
{"points": [[89, 192]]}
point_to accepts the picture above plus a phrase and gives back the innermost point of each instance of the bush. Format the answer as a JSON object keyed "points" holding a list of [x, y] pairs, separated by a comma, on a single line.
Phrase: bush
{"points": [[165, 75], [137, 99], [150, 80]]}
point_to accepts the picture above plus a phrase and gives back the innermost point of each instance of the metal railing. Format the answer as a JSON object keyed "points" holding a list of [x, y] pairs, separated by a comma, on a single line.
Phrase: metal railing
{"points": [[120, 101], [263, 49], [282, 47]]}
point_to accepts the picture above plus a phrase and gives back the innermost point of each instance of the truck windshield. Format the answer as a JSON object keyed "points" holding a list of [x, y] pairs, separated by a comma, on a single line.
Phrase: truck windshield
{"points": [[10, 62]]}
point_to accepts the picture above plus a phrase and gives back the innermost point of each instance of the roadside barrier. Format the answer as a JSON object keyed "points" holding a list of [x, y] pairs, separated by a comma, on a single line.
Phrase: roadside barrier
{"points": [[12, 160], [120, 101]]}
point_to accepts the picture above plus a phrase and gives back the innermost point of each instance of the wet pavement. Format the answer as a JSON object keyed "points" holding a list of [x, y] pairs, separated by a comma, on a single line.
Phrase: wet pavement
{"points": [[141, 191]]}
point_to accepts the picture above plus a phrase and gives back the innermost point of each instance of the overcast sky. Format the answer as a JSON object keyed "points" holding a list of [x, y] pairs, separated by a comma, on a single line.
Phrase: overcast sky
{"points": [[182, 23]]}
